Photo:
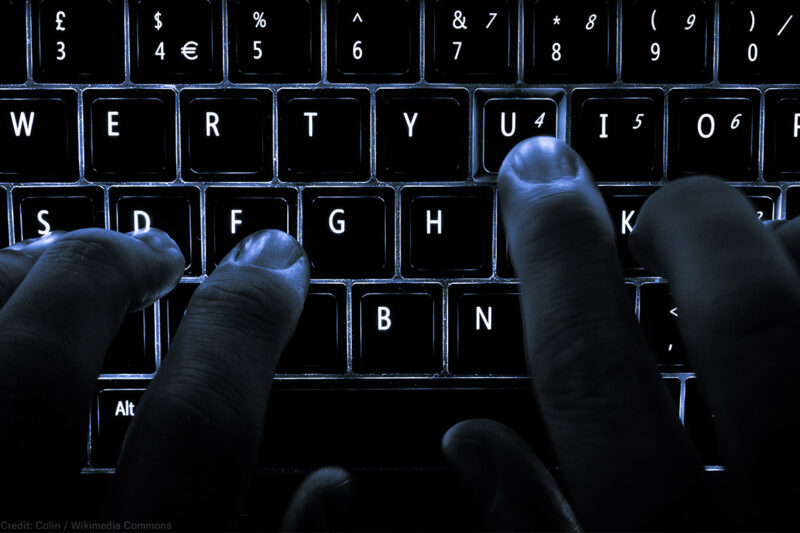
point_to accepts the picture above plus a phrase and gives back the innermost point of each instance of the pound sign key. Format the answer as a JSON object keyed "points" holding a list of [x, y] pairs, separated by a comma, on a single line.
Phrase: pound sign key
{"points": [[60, 16]]}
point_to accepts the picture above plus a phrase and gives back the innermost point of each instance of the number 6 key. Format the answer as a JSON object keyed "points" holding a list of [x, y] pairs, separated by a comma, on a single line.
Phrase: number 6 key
{"points": [[714, 132]]}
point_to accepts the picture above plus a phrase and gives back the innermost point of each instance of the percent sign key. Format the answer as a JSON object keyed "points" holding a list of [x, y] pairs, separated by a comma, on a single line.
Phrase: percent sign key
{"points": [[275, 40]]}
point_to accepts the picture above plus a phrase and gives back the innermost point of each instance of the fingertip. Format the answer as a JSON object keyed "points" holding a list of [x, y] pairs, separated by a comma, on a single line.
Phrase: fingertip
{"points": [[675, 196], [324, 501], [542, 159]]}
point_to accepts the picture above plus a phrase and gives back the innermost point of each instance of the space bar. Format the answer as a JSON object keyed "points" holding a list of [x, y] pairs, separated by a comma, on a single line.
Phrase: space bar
{"points": [[383, 427]]}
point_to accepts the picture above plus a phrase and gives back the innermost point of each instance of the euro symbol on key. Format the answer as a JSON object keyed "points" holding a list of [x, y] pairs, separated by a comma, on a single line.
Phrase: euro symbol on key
{"points": [[189, 50], [459, 21], [60, 16]]}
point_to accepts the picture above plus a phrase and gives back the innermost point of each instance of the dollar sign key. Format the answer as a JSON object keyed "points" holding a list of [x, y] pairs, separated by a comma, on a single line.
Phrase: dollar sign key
{"points": [[157, 18]]}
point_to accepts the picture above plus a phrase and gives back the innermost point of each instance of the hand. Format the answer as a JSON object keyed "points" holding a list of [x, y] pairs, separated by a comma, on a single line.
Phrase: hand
{"points": [[191, 449], [624, 460]]}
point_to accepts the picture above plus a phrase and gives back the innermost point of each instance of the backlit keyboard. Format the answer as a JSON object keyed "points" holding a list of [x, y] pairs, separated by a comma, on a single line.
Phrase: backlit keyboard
{"points": [[373, 132]]}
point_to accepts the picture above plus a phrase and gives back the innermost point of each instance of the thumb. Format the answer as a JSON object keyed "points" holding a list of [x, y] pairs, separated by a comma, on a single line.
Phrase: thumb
{"points": [[324, 501], [510, 486]]}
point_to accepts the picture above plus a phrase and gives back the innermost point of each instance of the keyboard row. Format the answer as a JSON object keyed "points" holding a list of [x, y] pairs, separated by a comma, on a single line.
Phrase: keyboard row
{"points": [[428, 232], [420, 134], [367, 425], [396, 329], [464, 40]]}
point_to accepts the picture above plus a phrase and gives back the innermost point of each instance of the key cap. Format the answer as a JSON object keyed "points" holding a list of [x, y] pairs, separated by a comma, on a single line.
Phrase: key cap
{"points": [[422, 134], [175, 210], [37, 136], [504, 267], [397, 328], [13, 68], [130, 135], [715, 133], [486, 326], [447, 232], [173, 306], [226, 135], [782, 135], [176, 40], [133, 349], [619, 134], [78, 41], [3, 218], [318, 344], [274, 40], [659, 318], [665, 40], [574, 43], [674, 388], [323, 134], [624, 204], [115, 410], [39, 210], [373, 41], [698, 422], [388, 426], [472, 40], [792, 202], [507, 121], [757, 40], [764, 201], [349, 233], [234, 213]]}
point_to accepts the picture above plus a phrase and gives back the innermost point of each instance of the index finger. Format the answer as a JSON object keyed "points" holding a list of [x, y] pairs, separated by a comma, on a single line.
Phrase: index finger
{"points": [[625, 458]]}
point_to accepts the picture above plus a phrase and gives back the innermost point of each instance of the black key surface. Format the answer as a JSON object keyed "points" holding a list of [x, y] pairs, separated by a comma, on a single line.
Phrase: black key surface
{"points": [[274, 40], [13, 40], [319, 343], [667, 40], [659, 319], [486, 325], [115, 411], [472, 40], [782, 135], [226, 135], [176, 40], [764, 201], [78, 41], [504, 267], [233, 213], [508, 120], [387, 427], [698, 420], [133, 348], [397, 328], [3, 218], [40, 210], [572, 41], [38, 135], [447, 232], [714, 132], [756, 40], [422, 134], [372, 41], [323, 134], [349, 233], [619, 134], [624, 204], [172, 307], [674, 388], [130, 135], [175, 210]]}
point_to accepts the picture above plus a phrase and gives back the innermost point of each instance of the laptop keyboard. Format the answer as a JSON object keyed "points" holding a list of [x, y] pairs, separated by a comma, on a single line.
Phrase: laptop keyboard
{"points": [[373, 132]]}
